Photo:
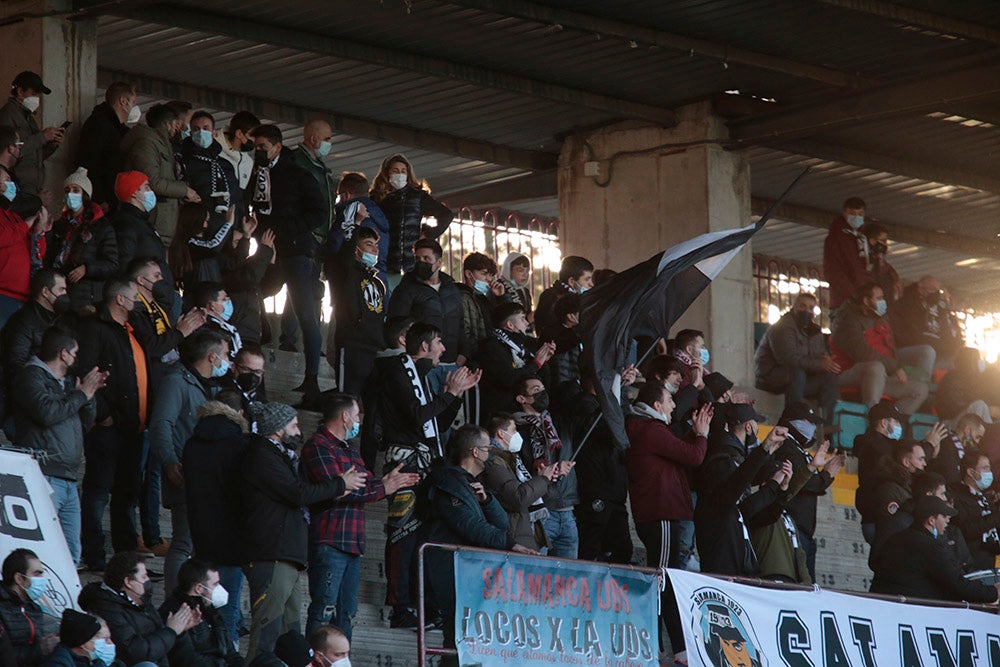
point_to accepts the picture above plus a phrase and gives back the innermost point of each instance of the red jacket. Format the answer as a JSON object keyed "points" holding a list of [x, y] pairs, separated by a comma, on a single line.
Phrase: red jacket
{"points": [[15, 255], [845, 261], [658, 463]]}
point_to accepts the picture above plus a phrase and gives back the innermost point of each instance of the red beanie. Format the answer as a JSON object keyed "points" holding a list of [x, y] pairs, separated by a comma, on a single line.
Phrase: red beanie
{"points": [[127, 182]]}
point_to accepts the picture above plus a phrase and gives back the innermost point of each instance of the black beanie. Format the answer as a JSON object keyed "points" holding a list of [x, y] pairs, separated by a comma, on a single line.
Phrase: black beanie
{"points": [[77, 628]]}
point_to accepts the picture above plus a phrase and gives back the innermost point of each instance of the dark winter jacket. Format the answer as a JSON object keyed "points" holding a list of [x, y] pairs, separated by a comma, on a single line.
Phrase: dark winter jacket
{"points": [[917, 320], [151, 151], [341, 231], [979, 522], [23, 621], [787, 346], [477, 318], [274, 496], [62, 656], [857, 336], [22, 335], [360, 307], [502, 370], [404, 209], [205, 170], [893, 488], [957, 390], [724, 497], [51, 416], [161, 348], [600, 466], [441, 308], [242, 278], [137, 631], [658, 464], [324, 179], [212, 460], [845, 261], [953, 541], [516, 497], [545, 317], [137, 238], [400, 411], [870, 447], [297, 208], [802, 506], [100, 145], [92, 245], [565, 363], [207, 644], [30, 169], [105, 343], [914, 564], [456, 516]]}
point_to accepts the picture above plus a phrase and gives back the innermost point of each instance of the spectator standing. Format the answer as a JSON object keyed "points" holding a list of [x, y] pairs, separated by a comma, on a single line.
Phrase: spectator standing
{"points": [[885, 428], [372, 439], [508, 356], [51, 410], [10, 151], [287, 200], [895, 473], [481, 292], [356, 209], [19, 113], [359, 299], [113, 447], [134, 227], [978, 517], [211, 463], [213, 300], [317, 136], [149, 149], [82, 245], [211, 175], [546, 446], [22, 244], [879, 268], [576, 276], [406, 201], [845, 254], [123, 601], [208, 643], [24, 582], [274, 498], [248, 376], [568, 346], [689, 349], [865, 349], [337, 530], [204, 361], [515, 274], [84, 641], [237, 145], [429, 295], [923, 316], [101, 137], [792, 359], [968, 433]]}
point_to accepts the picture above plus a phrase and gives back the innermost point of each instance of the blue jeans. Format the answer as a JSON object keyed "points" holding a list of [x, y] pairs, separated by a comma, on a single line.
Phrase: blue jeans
{"points": [[333, 588], [66, 498], [563, 536], [149, 503], [8, 306], [301, 275], [231, 578]]}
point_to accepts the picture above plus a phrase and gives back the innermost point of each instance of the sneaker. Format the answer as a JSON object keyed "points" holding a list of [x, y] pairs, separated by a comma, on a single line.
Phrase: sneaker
{"points": [[403, 620]]}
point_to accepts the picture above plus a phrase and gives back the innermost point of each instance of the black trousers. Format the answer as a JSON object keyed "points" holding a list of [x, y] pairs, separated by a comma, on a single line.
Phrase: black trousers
{"points": [[604, 534]]}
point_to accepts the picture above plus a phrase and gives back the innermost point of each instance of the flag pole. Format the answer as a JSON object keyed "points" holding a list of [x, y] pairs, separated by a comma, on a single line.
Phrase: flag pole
{"points": [[760, 223]]}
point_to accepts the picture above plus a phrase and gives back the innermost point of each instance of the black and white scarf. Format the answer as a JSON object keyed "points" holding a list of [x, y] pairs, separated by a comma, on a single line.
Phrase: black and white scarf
{"points": [[520, 353], [262, 189], [220, 186], [423, 395]]}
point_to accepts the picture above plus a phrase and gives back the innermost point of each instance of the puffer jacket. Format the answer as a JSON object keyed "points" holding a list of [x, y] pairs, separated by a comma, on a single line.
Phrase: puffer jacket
{"points": [[204, 167], [23, 622], [404, 209], [100, 150], [206, 644], [137, 238], [515, 496], [440, 307], [22, 335], [138, 632], [92, 245], [149, 150], [51, 416], [786, 345]]}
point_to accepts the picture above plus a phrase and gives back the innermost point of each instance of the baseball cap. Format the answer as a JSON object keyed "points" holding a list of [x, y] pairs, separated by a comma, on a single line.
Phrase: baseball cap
{"points": [[928, 506], [31, 80], [718, 384], [738, 413], [885, 410], [799, 411]]}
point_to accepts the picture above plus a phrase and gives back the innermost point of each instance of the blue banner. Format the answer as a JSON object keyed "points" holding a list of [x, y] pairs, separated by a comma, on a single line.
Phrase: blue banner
{"points": [[513, 609]]}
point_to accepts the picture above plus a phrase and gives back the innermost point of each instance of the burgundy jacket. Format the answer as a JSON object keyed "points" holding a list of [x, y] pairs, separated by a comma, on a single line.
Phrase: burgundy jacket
{"points": [[845, 264]]}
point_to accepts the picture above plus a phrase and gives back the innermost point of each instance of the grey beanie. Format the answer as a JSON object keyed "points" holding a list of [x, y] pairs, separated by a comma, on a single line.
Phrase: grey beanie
{"points": [[272, 417]]}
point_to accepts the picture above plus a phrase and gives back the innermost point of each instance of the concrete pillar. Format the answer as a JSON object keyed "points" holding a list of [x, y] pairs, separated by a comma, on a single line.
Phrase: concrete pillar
{"points": [[64, 53], [649, 194]]}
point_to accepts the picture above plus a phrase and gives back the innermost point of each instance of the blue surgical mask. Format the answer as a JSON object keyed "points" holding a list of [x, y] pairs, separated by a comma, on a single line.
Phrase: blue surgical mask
{"points": [[584, 289], [37, 587], [881, 307], [103, 651], [368, 259], [10, 190], [186, 132], [324, 148], [934, 532], [354, 431], [985, 481], [227, 310], [856, 221], [805, 427], [149, 200], [481, 286], [221, 370], [896, 433], [705, 356], [74, 201], [202, 138]]}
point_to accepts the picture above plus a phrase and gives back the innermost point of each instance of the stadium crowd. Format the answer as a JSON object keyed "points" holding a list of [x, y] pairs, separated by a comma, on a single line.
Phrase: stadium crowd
{"points": [[133, 367]]}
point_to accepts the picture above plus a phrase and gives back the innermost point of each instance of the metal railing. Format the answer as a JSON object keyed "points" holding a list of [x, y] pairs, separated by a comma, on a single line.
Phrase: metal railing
{"points": [[778, 282]]}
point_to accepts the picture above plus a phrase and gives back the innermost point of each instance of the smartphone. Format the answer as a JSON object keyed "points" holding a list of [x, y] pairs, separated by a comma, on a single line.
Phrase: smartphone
{"points": [[66, 124]]}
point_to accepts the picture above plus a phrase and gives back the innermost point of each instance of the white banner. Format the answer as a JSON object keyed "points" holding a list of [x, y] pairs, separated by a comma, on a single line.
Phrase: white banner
{"points": [[733, 625], [28, 520]]}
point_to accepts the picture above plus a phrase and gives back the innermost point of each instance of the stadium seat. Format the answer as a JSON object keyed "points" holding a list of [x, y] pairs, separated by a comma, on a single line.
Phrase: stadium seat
{"points": [[920, 424], [852, 420]]}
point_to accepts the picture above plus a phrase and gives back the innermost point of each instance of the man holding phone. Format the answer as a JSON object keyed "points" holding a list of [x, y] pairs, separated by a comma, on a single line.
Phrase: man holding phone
{"points": [[19, 113]]}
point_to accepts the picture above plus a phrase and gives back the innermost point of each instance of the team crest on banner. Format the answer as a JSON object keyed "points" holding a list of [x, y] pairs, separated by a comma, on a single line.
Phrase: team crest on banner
{"points": [[728, 635]]}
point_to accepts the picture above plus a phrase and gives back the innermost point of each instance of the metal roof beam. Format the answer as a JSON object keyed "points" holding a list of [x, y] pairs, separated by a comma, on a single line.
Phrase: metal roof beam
{"points": [[917, 17], [365, 128], [923, 95], [387, 56], [650, 36], [971, 246], [914, 167], [531, 187]]}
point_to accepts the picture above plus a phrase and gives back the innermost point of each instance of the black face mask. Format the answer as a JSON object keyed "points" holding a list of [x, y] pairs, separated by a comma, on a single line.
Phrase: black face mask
{"points": [[802, 317], [260, 158], [61, 304], [247, 146], [248, 382], [879, 248], [163, 291], [292, 442], [423, 270], [541, 400]]}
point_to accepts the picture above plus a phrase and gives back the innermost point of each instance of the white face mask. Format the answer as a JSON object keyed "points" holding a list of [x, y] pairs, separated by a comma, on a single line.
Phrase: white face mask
{"points": [[343, 662], [398, 181], [31, 103], [134, 114], [515, 444], [220, 596]]}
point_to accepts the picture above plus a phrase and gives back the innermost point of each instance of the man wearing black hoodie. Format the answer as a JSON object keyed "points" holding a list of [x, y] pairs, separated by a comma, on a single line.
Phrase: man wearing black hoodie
{"points": [[359, 296], [101, 138]]}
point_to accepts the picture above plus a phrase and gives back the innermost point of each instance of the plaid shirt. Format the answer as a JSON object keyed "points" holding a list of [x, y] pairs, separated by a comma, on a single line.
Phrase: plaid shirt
{"points": [[341, 525]]}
